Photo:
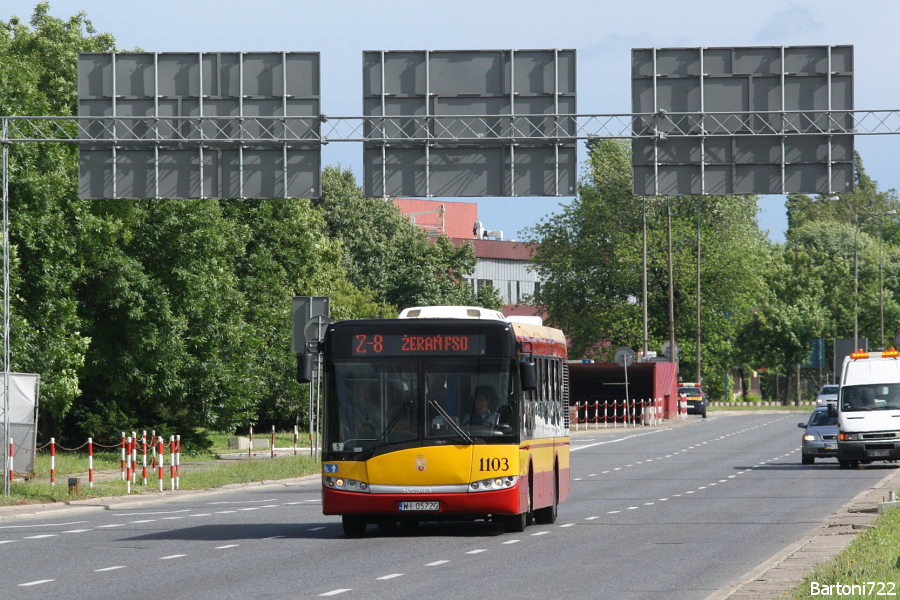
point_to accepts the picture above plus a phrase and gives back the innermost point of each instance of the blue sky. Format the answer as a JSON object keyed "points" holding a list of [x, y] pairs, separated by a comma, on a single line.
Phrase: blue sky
{"points": [[602, 32]]}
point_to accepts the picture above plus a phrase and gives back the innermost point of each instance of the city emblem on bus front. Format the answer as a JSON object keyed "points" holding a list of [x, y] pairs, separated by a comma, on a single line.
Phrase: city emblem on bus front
{"points": [[421, 463]]}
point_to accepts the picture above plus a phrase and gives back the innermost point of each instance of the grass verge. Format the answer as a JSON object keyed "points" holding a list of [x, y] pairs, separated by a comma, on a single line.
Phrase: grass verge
{"points": [[871, 557], [760, 407]]}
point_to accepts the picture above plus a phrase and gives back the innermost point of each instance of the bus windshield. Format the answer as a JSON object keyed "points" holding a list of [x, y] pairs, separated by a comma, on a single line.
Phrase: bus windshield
{"points": [[881, 396], [378, 405]]}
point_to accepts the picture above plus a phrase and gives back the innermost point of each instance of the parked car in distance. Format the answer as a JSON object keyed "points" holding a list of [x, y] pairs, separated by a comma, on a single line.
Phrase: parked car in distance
{"points": [[696, 399], [819, 436], [828, 393]]}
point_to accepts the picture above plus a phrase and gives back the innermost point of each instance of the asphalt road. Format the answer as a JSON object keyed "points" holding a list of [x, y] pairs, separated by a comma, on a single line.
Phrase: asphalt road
{"points": [[671, 513]]}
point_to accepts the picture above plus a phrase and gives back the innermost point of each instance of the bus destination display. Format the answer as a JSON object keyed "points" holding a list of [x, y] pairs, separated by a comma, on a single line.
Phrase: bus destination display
{"points": [[410, 344]]}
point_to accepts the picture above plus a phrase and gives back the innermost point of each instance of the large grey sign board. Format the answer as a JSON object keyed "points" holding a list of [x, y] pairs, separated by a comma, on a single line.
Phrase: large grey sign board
{"points": [[199, 125], [733, 120], [24, 398], [469, 123]]}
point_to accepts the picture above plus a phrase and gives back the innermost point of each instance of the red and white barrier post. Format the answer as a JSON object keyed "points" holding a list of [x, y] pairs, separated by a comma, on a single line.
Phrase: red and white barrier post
{"points": [[172, 462], [123, 455], [144, 456], [177, 462], [52, 461], [91, 462], [153, 448], [11, 463], [250, 448], [295, 440], [273, 441], [133, 457], [162, 461], [128, 467]]}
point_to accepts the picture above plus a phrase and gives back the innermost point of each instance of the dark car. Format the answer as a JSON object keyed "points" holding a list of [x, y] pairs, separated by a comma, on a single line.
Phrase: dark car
{"points": [[820, 436], [696, 399]]}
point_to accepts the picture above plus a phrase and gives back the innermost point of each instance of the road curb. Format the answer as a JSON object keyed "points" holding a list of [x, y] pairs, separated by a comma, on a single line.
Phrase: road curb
{"points": [[779, 585]]}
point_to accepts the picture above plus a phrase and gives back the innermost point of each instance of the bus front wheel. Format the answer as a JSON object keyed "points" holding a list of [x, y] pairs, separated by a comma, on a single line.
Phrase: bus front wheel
{"points": [[354, 525]]}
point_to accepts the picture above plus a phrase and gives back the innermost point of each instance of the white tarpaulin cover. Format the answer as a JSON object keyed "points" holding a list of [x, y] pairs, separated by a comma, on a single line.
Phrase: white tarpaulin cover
{"points": [[22, 398]]}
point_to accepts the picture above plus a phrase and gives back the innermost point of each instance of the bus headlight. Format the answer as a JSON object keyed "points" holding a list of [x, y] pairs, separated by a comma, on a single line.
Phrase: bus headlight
{"points": [[349, 485], [486, 485]]}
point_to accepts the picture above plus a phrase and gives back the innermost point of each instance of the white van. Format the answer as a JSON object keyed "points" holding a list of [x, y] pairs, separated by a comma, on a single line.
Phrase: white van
{"points": [[868, 408]]}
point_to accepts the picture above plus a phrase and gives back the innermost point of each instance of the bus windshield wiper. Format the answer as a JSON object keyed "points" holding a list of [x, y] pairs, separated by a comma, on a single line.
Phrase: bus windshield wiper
{"points": [[459, 430], [390, 426]]}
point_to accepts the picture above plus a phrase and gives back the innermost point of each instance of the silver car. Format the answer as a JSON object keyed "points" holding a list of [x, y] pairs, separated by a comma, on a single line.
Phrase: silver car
{"points": [[820, 436], [828, 394]]}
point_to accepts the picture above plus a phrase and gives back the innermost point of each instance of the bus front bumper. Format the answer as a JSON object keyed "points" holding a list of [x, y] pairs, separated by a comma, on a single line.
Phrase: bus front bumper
{"points": [[495, 502]]}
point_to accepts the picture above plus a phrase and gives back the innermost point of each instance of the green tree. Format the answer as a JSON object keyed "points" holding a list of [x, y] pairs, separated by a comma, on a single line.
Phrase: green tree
{"points": [[48, 232]]}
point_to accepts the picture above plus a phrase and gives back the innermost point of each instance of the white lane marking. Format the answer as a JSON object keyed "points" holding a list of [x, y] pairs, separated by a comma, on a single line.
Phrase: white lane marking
{"points": [[171, 518], [663, 499], [591, 518], [702, 487], [391, 576], [668, 456], [292, 503], [336, 592], [250, 508], [38, 582], [632, 508], [567, 525], [197, 515], [43, 525], [161, 512], [723, 481], [76, 531], [649, 503], [540, 533], [244, 501], [311, 501], [605, 472], [677, 495], [629, 465], [225, 512], [144, 521], [614, 441], [37, 537], [109, 568], [479, 551], [592, 475], [113, 525], [8, 541], [269, 506], [612, 512], [436, 563], [228, 546], [577, 479], [315, 529], [712, 484], [274, 537], [171, 556], [732, 476], [691, 492], [512, 542], [617, 469]]}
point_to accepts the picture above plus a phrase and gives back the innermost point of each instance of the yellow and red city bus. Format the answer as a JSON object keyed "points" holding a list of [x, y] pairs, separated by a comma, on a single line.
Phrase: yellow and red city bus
{"points": [[446, 413]]}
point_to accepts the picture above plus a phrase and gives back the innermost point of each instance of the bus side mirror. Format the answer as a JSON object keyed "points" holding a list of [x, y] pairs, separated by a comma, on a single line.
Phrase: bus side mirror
{"points": [[832, 410], [528, 375], [304, 368]]}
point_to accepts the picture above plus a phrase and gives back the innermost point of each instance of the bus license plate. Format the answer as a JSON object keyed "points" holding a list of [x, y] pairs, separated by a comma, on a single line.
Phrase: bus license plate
{"points": [[420, 506]]}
